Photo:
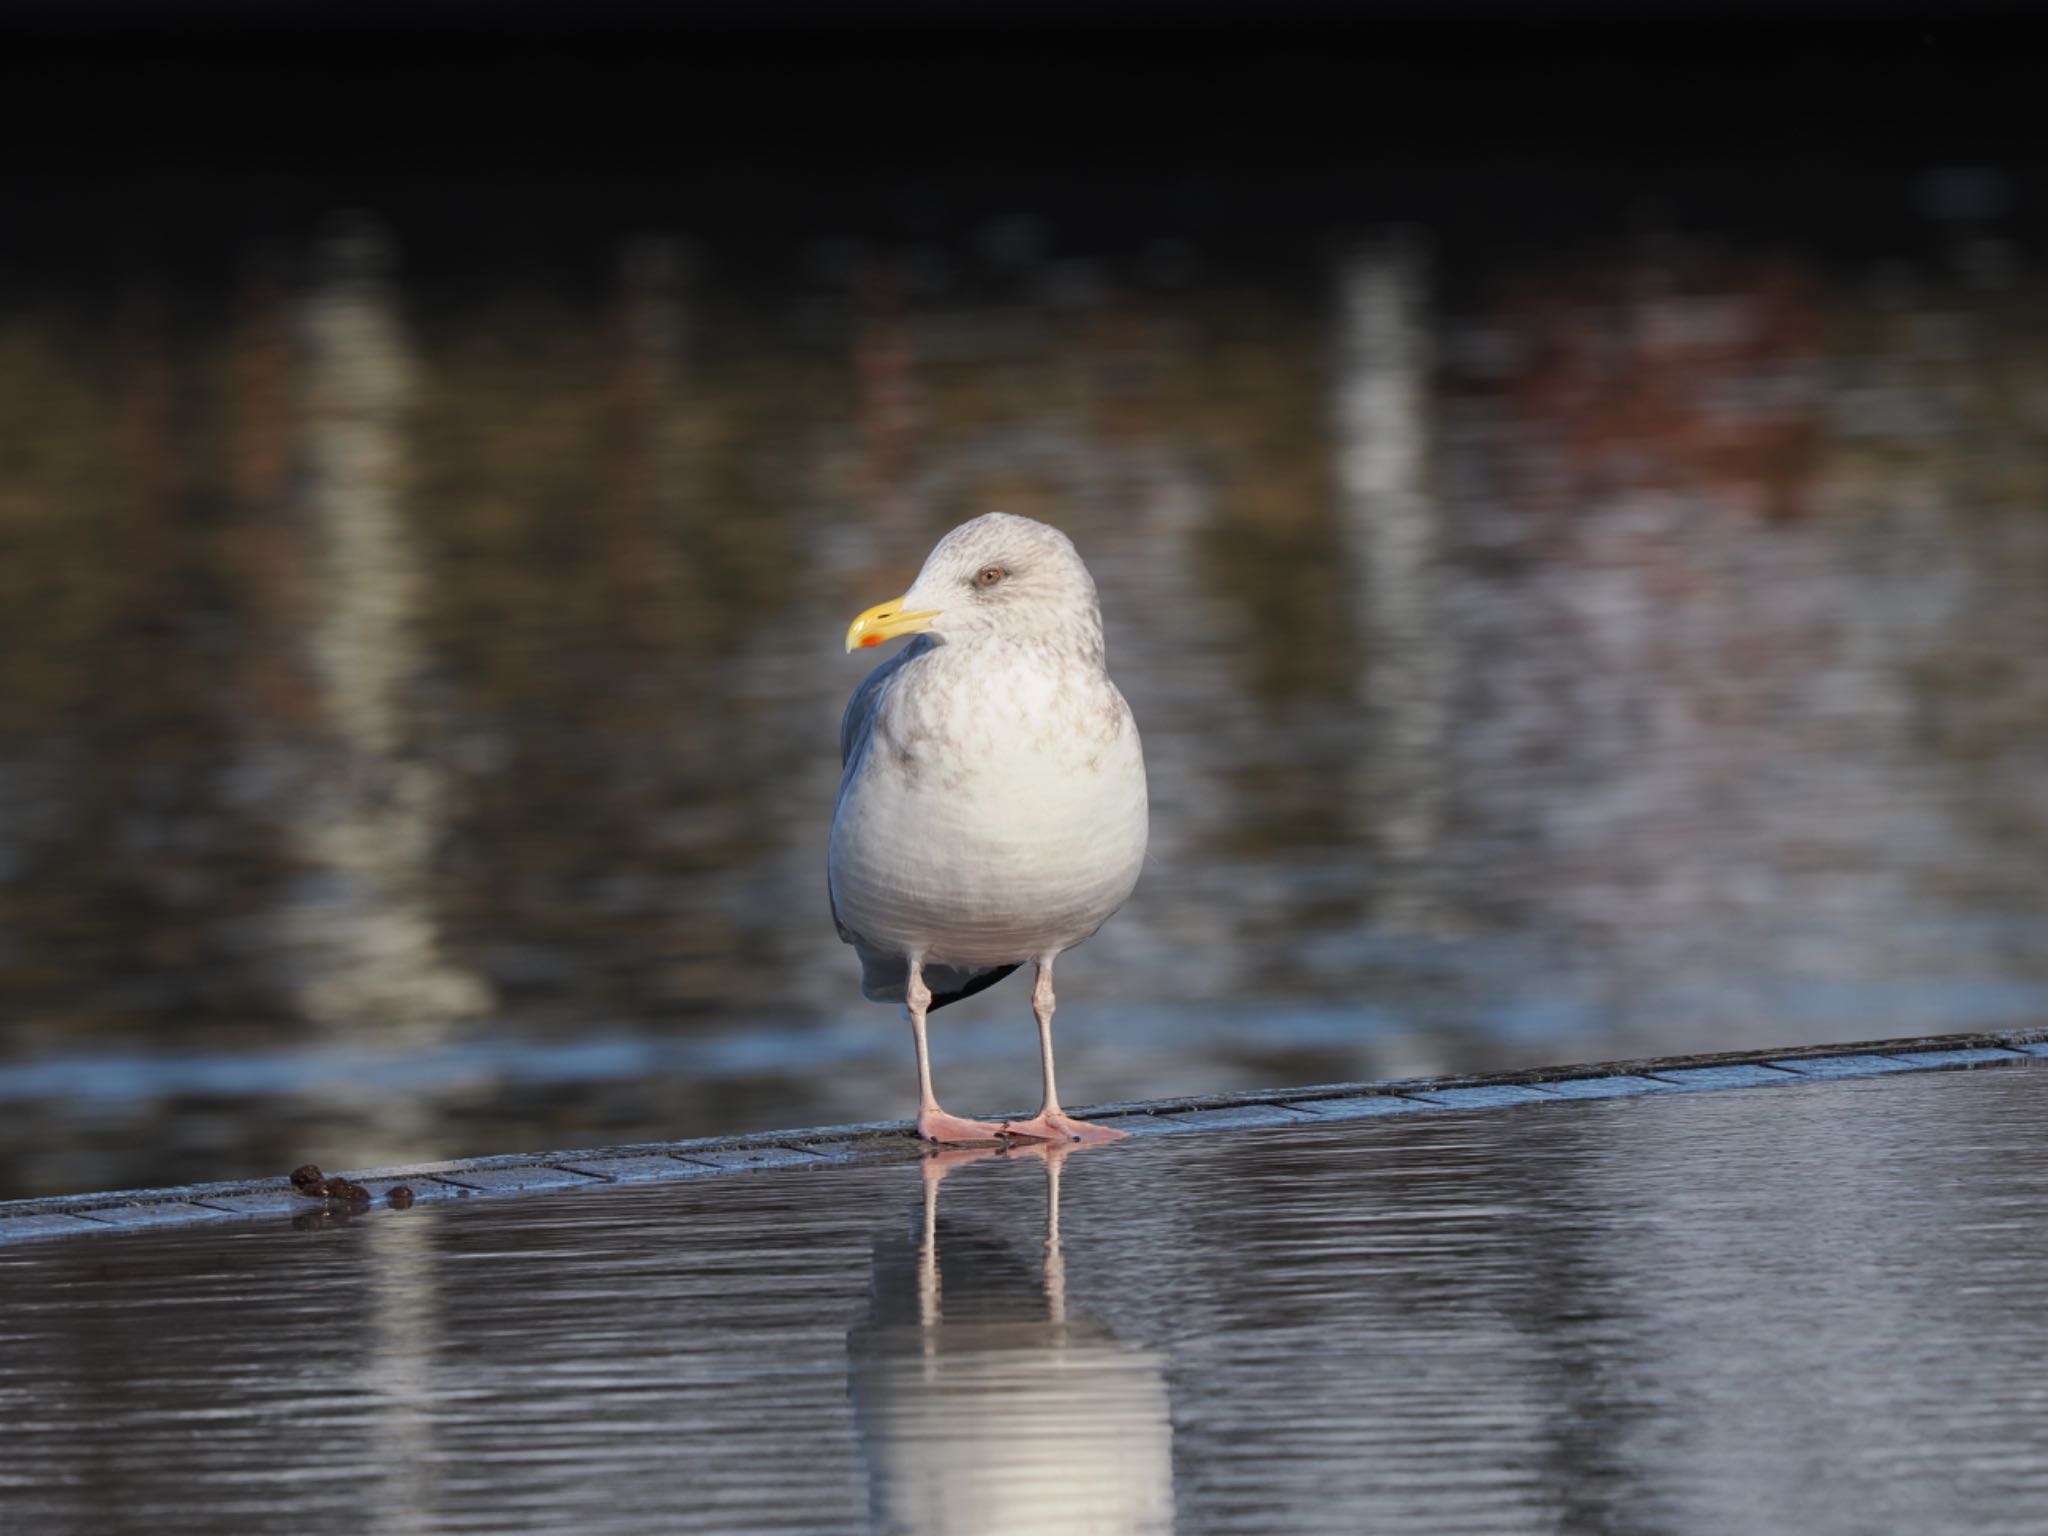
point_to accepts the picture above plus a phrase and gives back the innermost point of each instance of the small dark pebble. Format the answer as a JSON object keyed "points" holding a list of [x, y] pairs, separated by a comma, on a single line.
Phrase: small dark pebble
{"points": [[335, 1189], [400, 1196]]}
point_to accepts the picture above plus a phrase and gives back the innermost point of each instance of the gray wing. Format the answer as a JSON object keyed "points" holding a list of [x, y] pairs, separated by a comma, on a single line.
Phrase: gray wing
{"points": [[856, 729], [858, 723]]}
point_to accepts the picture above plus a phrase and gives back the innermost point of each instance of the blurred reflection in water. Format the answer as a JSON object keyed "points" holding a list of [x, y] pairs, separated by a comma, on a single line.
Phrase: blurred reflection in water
{"points": [[398, 1373], [1635, 653], [357, 935], [982, 1405]]}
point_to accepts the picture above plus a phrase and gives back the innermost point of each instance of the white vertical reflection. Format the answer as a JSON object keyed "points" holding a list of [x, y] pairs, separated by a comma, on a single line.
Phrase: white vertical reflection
{"points": [[368, 945], [984, 1406], [1391, 531], [369, 948], [398, 1374]]}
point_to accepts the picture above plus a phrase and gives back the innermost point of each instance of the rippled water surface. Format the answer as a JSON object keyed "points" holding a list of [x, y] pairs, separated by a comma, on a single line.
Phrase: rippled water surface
{"points": [[1537, 661], [1813, 1309], [1573, 532]]}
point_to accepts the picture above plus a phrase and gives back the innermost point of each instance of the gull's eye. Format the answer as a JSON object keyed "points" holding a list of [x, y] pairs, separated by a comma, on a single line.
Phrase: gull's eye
{"points": [[989, 575]]}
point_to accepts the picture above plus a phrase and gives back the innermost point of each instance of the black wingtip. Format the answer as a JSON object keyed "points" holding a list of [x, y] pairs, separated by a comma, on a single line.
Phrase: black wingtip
{"points": [[980, 983]]}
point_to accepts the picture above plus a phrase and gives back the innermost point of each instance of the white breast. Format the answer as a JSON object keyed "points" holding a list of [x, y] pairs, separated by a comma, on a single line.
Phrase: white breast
{"points": [[993, 819]]}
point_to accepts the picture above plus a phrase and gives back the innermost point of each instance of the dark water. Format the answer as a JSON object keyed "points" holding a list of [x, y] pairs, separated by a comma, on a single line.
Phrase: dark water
{"points": [[1576, 545], [1816, 1310], [1634, 653]]}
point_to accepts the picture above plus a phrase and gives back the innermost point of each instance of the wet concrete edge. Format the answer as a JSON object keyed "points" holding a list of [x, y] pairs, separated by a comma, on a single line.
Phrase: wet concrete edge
{"points": [[892, 1141]]}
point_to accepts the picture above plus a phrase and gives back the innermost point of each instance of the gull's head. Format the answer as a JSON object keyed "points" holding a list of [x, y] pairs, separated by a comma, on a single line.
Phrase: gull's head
{"points": [[997, 575]]}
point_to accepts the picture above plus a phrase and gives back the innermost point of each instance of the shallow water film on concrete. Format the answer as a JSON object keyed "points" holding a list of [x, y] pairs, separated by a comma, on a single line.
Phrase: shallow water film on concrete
{"points": [[1814, 1309]]}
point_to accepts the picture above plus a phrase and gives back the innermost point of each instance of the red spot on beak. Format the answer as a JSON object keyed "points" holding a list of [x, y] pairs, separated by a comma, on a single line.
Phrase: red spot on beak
{"points": [[869, 640]]}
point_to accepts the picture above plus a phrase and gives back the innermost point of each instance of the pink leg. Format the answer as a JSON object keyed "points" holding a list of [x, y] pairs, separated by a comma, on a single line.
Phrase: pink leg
{"points": [[933, 1123], [1052, 1123]]}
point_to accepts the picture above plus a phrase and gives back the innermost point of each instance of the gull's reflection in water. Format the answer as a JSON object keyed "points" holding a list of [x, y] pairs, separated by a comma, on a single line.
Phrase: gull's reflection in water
{"points": [[983, 1405]]}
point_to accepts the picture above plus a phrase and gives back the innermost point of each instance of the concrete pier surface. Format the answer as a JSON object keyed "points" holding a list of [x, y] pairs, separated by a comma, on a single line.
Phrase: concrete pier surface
{"points": [[1302, 1108]]}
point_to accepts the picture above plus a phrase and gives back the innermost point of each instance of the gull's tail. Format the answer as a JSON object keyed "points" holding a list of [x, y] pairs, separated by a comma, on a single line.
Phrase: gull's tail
{"points": [[883, 978], [977, 981]]}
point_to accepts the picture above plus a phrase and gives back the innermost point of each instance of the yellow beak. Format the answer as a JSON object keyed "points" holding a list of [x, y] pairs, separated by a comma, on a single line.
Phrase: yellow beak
{"points": [[885, 621]]}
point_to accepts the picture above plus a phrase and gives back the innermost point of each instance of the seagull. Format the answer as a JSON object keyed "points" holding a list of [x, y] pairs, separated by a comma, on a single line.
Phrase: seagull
{"points": [[991, 795]]}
